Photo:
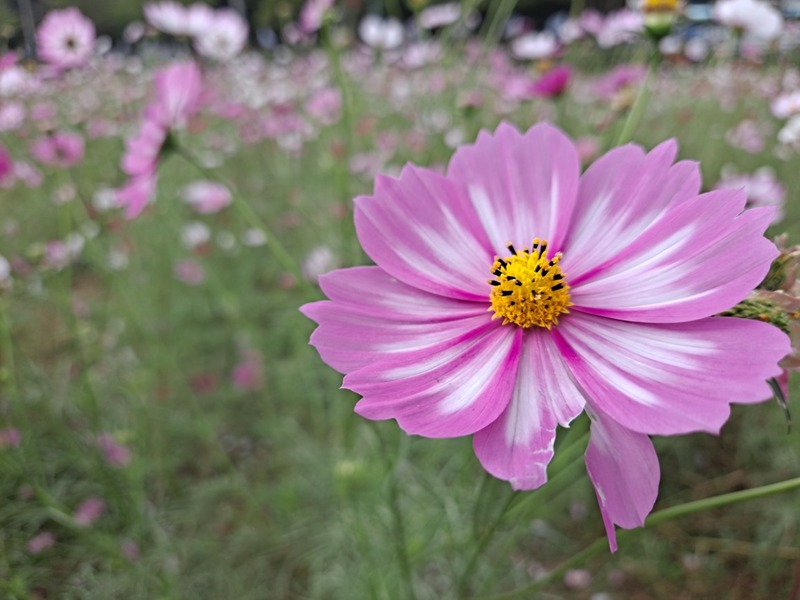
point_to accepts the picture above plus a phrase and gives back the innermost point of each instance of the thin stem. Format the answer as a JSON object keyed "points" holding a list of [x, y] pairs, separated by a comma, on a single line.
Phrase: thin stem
{"points": [[654, 519], [398, 524], [639, 105]]}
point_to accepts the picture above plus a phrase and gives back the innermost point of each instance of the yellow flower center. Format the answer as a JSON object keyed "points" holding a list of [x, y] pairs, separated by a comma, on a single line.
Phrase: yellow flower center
{"points": [[529, 289], [660, 6]]}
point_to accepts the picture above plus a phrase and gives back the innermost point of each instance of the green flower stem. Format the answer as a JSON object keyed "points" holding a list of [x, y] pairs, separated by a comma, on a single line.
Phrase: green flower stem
{"points": [[250, 216], [493, 28], [654, 519], [398, 524], [639, 105]]}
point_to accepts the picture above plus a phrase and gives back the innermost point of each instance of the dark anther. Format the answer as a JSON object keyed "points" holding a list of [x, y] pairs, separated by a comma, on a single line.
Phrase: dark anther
{"points": [[537, 269], [494, 283], [498, 272], [506, 292], [510, 247], [557, 287], [558, 276]]}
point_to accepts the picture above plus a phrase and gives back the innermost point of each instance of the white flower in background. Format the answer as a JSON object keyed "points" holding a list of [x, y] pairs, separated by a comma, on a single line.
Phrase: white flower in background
{"points": [[199, 16], [696, 49], [790, 134], [5, 273], [207, 196], [534, 46], [620, 27], [195, 234], [439, 15], [384, 34], [319, 261], [223, 37], [755, 17]]}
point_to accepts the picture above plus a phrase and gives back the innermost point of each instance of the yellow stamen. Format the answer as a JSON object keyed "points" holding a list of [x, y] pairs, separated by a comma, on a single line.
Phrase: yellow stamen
{"points": [[529, 289]]}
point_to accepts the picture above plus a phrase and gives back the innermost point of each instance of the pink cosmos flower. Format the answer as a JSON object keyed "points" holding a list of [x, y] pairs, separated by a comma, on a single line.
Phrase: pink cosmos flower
{"points": [[178, 95], [65, 38], [62, 149], [222, 37], [248, 374], [620, 27], [786, 105], [513, 293]]}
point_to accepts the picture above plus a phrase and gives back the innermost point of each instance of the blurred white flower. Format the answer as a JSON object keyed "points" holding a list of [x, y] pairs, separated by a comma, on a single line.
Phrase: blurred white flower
{"points": [[755, 17], [535, 46], [384, 34]]}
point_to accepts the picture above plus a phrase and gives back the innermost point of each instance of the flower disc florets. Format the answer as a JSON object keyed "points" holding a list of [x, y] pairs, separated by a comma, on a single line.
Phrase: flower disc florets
{"points": [[529, 288]]}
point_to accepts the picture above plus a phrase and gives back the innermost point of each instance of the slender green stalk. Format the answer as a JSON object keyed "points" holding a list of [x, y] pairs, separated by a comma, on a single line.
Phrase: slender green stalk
{"points": [[493, 29], [398, 524], [639, 105], [654, 519]]}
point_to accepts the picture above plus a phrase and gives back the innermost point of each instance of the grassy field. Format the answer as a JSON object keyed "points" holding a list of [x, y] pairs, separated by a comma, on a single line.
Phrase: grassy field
{"points": [[176, 383]]}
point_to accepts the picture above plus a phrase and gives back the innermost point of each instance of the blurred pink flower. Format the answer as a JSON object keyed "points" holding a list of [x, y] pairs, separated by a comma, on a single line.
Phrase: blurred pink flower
{"points": [[439, 15], [115, 453], [9, 438], [65, 38], [6, 164], [248, 374], [41, 542], [618, 78], [62, 149], [207, 196], [89, 511], [762, 188], [620, 27], [553, 82], [786, 105], [749, 135], [130, 550], [318, 261], [12, 115], [312, 15], [178, 94], [325, 105], [190, 272], [222, 37]]}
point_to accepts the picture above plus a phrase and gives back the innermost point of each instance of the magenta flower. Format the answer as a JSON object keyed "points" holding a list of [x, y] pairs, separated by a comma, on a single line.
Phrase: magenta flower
{"points": [[6, 164], [65, 38], [552, 83], [61, 149], [513, 293], [116, 454]]}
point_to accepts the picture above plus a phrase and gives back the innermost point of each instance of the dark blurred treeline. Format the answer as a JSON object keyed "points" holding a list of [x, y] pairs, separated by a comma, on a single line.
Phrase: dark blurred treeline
{"points": [[111, 16]]}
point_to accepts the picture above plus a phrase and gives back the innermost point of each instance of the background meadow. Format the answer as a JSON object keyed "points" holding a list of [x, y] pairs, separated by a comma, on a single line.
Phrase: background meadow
{"points": [[167, 432]]}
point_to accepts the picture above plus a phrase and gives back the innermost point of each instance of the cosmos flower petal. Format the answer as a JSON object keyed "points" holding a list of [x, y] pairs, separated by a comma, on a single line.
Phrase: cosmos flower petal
{"points": [[522, 185], [624, 470], [452, 389], [620, 195], [700, 258], [371, 315], [674, 378], [422, 229], [518, 446]]}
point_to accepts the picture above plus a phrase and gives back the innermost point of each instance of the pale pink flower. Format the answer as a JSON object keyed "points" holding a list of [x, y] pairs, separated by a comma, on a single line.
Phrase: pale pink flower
{"points": [[749, 135], [168, 17], [130, 550], [116, 454], [207, 196], [514, 292], [223, 37], [786, 105], [200, 16], [41, 542], [319, 261], [12, 115], [790, 132], [61, 149], [325, 105], [65, 38], [190, 272], [312, 15], [89, 511], [178, 94]]}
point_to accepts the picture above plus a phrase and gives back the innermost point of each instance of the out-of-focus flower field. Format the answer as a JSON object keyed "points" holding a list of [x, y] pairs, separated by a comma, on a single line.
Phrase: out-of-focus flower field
{"points": [[166, 206]]}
